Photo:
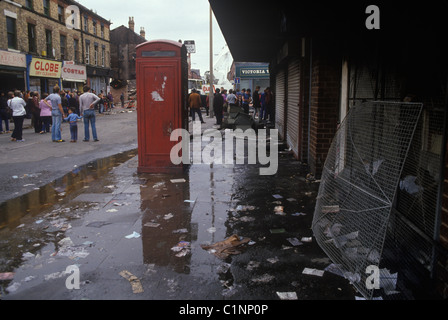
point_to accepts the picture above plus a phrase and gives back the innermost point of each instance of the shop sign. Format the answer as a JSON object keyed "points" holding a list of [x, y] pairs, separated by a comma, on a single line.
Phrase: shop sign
{"points": [[45, 68], [12, 59], [252, 72], [73, 72]]}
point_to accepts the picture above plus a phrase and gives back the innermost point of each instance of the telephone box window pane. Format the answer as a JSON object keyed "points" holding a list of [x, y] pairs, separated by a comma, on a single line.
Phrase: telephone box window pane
{"points": [[158, 53]]}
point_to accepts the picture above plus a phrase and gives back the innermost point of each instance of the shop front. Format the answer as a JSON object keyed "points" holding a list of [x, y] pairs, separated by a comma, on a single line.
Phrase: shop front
{"points": [[73, 76], [12, 71], [249, 75], [43, 74], [98, 79]]}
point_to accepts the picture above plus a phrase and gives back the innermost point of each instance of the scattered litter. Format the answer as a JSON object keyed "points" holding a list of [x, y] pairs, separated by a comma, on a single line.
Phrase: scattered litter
{"points": [[66, 242], [263, 279], [294, 241], [277, 196], [178, 180], [298, 214], [183, 248], [244, 208], [291, 199], [21, 226], [388, 281], [39, 221], [133, 280], [189, 201], [211, 230], [97, 224], [54, 275], [151, 224], [29, 278], [226, 247], [133, 235], [287, 295], [313, 272], [307, 239], [117, 204], [28, 255], [6, 276], [273, 260], [112, 210], [279, 230], [252, 265], [279, 211], [223, 268], [168, 216], [13, 287], [184, 230], [29, 184], [110, 187]]}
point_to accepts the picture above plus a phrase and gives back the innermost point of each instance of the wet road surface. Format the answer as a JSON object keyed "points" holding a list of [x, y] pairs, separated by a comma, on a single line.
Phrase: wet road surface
{"points": [[89, 217]]}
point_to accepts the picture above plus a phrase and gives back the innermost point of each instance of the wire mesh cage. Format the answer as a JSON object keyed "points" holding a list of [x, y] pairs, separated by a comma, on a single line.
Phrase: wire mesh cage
{"points": [[358, 188]]}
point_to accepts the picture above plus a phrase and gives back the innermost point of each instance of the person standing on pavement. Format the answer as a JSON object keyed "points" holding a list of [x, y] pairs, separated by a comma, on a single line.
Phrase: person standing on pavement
{"points": [[72, 119], [122, 99], [194, 101], [246, 98], [87, 102], [4, 113], [256, 102], [35, 111], [17, 105], [45, 114], [56, 114], [231, 98], [218, 103]]}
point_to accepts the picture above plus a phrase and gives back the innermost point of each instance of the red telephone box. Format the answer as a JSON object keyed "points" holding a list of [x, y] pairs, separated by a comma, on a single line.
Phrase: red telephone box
{"points": [[162, 88]]}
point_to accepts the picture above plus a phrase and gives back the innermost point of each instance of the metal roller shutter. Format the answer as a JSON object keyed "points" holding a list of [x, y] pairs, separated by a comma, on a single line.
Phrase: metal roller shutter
{"points": [[280, 90], [293, 99]]}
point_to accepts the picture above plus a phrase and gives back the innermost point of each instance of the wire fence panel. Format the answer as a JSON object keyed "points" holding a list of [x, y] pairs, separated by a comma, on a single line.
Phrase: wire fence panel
{"points": [[358, 188]]}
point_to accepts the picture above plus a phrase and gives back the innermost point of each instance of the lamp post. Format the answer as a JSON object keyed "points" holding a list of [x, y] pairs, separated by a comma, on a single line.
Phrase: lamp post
{"points": [[211, 79]]}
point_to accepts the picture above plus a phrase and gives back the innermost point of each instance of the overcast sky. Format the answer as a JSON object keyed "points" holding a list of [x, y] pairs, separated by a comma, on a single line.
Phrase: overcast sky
{"points": [[166, 19]]}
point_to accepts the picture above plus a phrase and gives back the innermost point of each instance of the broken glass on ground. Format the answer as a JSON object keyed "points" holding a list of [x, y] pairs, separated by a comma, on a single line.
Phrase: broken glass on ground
{"points": [[230, 246], [313, 272]]}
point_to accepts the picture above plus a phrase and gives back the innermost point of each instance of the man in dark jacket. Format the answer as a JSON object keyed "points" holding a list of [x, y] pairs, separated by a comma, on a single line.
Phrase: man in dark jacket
{"points": [[218, 103]]}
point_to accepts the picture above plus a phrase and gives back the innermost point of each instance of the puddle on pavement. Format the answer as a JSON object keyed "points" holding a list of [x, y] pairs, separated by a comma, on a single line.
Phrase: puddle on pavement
{"points": [[174, 220]]}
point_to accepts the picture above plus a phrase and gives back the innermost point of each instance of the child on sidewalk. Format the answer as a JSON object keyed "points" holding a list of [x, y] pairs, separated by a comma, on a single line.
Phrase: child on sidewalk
{"points": [[72, 119]]}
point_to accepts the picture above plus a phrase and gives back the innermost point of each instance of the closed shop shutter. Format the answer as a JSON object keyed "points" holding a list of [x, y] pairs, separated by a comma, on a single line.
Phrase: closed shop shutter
{"points": [[280, 103], [293, 100]]}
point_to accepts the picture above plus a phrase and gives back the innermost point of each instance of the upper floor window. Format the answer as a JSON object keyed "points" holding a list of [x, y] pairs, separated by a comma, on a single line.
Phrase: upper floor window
{"points": [[94, 27], [47, 7], [11, 30], [86, 24], [61, 13], [29, 4]]}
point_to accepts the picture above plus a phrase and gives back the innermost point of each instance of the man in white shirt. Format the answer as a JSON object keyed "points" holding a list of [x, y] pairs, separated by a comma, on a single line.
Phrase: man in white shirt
{"points": [[87, 102], [17, 105]]}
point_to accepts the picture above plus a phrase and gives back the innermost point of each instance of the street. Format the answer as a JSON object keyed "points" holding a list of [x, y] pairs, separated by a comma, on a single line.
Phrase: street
{"points": [[147, 236]]}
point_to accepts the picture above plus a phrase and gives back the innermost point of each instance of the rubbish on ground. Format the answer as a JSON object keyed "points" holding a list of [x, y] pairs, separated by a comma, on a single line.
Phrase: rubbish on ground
{"points": [[252, 265], [211, 230], [39, 221], [7, 275], [133, 235], [184, 230], [306, 239], [263, 279], [279, 211], [151, 224], [388, 281], [226, 247], [294, 241], [178, 180], [97, 224], [223, 268], [291, 199], [13, 287], [330, 209], [273, 260], [277, 196], [313, 272], [190, 201], [279, 230], [168, 216], [28, 255], [287, 295], [183, 248], [335, 269], [21, 226], [244, 208], [298, 214], [247, 219], [112, 210], [133, 280]]}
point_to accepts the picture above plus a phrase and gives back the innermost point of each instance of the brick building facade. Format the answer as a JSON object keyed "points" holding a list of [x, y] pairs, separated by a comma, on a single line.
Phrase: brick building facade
{"points": [[39, 29]]}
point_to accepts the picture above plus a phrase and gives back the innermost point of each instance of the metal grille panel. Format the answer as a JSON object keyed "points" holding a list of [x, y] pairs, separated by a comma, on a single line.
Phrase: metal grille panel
{"points": [[359, 183]]}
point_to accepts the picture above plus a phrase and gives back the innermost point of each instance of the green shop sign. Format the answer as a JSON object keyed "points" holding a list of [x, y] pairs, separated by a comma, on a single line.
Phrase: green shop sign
{"points": [[252, 72]]}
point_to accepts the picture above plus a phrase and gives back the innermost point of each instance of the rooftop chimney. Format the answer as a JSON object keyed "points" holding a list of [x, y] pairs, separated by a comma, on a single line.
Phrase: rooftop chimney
{"points": [[131, 23], [142, 32]]}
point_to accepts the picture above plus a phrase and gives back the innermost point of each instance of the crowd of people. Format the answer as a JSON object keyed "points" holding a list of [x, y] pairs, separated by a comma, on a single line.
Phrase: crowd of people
{"points": [[262, 102], [49, 111]]}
